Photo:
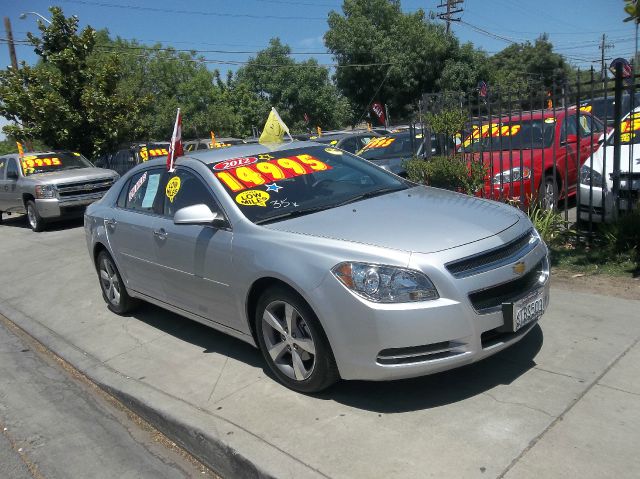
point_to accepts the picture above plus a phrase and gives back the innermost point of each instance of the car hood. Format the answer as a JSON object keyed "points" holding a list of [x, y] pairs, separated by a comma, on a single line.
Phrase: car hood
{"points": [[72, 176], [420, 219], [626, 154]]}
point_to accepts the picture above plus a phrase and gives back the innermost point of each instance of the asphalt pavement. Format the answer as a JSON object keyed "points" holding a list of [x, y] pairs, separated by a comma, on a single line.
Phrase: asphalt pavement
{"points": [[564, 402], [54, 425]]}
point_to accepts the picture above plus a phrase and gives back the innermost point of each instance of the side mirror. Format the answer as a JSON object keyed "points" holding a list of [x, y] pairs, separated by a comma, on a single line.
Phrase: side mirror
{"points": [[199, 214], [572, 139], [12, 175]]}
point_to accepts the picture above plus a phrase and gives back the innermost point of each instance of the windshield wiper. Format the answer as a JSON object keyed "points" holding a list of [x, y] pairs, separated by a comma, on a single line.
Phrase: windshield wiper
{"points": [[370, 194], [293, 214]]}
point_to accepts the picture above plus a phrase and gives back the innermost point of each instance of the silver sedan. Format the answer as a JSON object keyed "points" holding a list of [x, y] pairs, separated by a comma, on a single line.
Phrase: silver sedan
{"points": [[332, 266]]}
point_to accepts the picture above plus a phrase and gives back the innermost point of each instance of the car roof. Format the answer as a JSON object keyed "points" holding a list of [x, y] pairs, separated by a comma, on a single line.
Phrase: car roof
{"points": [[238, 151]]}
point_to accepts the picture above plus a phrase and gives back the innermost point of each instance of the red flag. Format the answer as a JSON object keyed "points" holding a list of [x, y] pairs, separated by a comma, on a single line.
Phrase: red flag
{"points": [[175, 150], [379, 111]]}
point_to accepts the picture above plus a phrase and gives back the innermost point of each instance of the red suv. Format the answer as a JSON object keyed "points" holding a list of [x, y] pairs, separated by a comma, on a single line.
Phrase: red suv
{"points": [[521, 149]]}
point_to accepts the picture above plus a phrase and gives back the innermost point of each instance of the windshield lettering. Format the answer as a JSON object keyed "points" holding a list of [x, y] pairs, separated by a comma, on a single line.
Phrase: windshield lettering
{"points": [[250, 176]]}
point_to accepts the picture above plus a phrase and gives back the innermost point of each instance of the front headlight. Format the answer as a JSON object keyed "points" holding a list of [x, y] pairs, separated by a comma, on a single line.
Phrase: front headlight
{"points": [[512, 175], [385, 284], [590, 177], [46, 191]]}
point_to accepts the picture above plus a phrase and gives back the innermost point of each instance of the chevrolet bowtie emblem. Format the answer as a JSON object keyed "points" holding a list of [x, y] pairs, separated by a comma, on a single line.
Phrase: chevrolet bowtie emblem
{"points": [[519, 268]]}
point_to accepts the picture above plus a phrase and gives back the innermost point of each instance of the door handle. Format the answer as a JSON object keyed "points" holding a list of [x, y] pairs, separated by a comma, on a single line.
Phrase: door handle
{"points": [[160, 234], [111, 222]]}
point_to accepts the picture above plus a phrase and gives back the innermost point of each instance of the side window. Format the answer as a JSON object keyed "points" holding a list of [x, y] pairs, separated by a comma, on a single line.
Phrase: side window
{"points": [[568, 128], [12, 167], [349, 145], [142, 190], [203, 146], [3, 163], [185, 188]]}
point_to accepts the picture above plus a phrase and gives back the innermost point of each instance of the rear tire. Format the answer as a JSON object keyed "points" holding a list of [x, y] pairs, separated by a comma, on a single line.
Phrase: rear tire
{"points": [[293, 343], [113, 289], [548, 193], [33, 217]]}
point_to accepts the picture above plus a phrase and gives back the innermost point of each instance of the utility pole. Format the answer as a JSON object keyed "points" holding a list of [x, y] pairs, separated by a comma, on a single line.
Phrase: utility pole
{"points": [[604, 46], [453, 7], [12, 46]]}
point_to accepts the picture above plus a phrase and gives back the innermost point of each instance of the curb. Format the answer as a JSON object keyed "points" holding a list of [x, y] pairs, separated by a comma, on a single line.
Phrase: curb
{"points": [[226, 448]]}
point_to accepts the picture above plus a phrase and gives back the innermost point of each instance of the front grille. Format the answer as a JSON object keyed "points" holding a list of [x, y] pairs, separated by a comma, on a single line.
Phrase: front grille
{"points": [[68, 190], [496, 336], [490, 298], [417, 354], [491, 259]]}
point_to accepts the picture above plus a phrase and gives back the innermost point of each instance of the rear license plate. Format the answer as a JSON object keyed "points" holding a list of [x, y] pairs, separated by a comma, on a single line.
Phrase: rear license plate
{"points": [[524, 311]]}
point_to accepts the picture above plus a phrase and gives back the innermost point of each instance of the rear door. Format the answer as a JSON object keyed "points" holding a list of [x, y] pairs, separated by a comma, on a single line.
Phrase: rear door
{"points": [[195, 259], [130, 230]]}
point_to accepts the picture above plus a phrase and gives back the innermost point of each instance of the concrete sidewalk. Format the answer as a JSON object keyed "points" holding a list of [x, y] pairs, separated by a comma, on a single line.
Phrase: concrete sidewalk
{"points": [[564, 402]]}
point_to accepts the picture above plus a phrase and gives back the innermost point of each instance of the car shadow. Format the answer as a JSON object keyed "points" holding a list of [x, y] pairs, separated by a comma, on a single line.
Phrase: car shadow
{"points": [[20, 221], [209, 339], [442, 388], [383, 397]]}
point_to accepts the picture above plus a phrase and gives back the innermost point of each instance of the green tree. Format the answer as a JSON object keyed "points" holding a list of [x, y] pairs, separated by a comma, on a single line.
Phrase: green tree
{"points": [[174, 80], [464, 70], [529, 69], [69, 99], [405, 53], [293, 88]]}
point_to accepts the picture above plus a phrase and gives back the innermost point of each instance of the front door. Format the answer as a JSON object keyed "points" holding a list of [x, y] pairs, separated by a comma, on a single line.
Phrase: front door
{"points": [[195, 259], [10, 198]]}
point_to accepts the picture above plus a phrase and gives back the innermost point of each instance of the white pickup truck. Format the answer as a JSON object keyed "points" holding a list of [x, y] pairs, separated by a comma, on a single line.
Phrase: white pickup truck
{"points": [[50, 185]]}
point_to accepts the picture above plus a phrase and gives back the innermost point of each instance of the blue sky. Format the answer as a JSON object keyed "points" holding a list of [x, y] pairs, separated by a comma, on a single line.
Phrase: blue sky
{"points": [[574, 26]]}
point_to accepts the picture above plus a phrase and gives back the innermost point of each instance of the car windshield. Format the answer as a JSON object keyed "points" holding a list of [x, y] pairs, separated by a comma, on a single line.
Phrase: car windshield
{"points": [[629, 130], [390, 146], [48, 162], [275, 186], [522, 135]]}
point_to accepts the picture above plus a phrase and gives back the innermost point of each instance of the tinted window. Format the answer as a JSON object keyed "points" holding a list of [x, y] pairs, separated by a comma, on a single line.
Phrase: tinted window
{"points": [[389, 147], [3, 163], [142, 190], [185, 188], [349, 144], [272, 185], [12, 167], [568, 127]]}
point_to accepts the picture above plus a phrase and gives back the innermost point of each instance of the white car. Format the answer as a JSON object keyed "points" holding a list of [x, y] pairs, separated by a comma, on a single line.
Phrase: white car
{"points": [[596, 201]]}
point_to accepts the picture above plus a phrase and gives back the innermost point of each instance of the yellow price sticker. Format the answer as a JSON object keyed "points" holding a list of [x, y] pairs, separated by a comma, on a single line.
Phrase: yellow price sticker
{"points": [[253, 198], [173, 187]]}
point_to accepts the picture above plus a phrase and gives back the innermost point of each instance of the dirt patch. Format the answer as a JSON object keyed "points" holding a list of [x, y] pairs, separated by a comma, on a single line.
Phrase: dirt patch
{"points": [[617, 286]]}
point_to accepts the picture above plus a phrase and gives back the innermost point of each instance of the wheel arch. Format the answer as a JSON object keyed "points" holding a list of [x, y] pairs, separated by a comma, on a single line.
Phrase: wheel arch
{"points": [[258, 287]]}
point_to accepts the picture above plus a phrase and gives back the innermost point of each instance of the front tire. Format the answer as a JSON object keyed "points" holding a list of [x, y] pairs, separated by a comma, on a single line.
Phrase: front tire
{"points": [[548, 193], [113, 289], [293, 342], [33, 217]]}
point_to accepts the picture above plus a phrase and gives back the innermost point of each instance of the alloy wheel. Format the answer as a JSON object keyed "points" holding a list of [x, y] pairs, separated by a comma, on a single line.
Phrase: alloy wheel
{"points": [[31, 216], [288, 340], [109, 281]]}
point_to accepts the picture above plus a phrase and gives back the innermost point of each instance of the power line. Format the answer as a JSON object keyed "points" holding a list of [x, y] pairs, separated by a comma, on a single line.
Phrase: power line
{"points": [[191, 12], [113, 48]]}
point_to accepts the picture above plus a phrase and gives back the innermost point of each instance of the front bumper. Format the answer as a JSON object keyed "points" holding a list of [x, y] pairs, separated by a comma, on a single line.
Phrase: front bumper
{"points": [[55, 208], [374, 341], [594, 206]]}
